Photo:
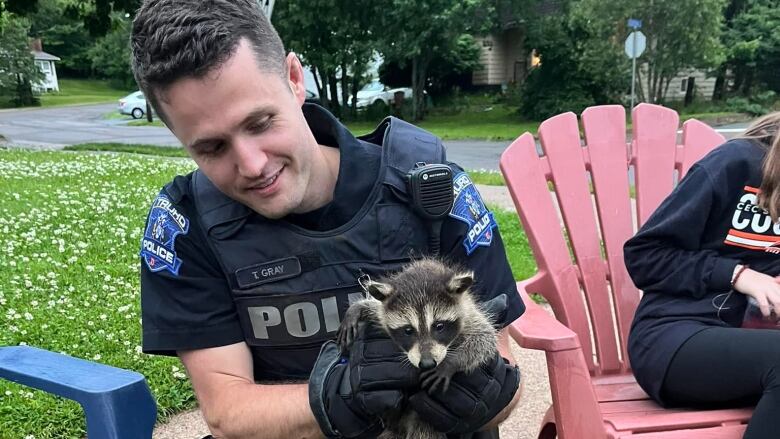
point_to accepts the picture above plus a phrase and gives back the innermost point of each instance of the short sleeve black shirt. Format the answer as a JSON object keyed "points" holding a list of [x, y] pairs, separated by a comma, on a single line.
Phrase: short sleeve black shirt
{"points": [[193, 308]]}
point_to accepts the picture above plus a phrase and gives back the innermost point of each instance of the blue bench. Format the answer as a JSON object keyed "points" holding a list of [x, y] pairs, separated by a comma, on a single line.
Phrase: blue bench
{"points": [[117, 402]]}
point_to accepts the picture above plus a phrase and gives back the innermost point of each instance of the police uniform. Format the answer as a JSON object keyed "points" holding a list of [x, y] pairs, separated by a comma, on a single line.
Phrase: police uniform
{"points": [[216, 273]]}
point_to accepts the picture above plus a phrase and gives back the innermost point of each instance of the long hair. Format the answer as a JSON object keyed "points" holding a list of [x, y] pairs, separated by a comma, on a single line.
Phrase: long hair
{"points": [[766, 132]]}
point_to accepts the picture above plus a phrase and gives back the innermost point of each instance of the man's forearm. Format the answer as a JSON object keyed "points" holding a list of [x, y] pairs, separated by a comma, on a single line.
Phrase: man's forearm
{"points": [[257, 411]]}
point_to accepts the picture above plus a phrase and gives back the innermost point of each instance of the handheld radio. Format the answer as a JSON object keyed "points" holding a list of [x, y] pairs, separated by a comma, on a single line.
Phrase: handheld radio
{"points": [[430, 187]]}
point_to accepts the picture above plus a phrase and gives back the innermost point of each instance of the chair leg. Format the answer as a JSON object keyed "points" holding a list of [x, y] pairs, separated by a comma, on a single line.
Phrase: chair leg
{"points": [[548, 431]]}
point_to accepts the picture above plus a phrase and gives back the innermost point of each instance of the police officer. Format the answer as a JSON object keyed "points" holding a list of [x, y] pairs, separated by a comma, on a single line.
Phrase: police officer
{"points": [[249, 262]]}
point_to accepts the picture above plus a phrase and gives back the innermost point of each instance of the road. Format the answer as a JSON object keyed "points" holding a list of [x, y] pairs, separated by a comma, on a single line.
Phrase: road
{"points": [[77, 124], [57, 127]]}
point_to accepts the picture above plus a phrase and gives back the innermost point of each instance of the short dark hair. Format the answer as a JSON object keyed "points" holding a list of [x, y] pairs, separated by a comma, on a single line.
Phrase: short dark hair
{"points": [[174, 39]]}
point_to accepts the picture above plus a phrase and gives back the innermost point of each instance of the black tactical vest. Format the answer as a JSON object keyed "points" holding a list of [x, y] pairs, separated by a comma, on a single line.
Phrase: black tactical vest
{"points": [[291, 286]]}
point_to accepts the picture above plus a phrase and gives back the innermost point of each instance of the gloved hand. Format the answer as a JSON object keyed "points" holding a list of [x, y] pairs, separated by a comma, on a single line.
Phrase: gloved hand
{"points": [[471, 400], [348, 396]]}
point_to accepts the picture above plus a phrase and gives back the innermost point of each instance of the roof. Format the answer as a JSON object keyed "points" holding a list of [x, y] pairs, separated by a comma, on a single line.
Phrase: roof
{"points": [[43, 56]]}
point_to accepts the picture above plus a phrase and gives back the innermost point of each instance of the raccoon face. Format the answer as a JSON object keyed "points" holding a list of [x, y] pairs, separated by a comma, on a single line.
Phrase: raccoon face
{"points": [[422, 310], [425, 344]]}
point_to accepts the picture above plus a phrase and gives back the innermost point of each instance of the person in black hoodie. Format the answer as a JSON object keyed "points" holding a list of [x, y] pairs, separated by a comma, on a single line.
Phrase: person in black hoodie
{"points": [[708, 248]]}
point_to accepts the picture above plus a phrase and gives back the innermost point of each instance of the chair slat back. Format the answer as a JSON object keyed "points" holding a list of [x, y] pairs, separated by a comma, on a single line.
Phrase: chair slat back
{"points": [[605, 136], [582, 259]]}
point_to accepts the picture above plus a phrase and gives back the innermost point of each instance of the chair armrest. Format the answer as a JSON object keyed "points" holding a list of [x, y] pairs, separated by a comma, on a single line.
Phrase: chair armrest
{"points": [[117, 402], [537, 329]]}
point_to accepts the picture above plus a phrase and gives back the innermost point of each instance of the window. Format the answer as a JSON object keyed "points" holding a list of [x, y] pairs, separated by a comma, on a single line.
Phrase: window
{"points": [[684, 85], [43, 66]]}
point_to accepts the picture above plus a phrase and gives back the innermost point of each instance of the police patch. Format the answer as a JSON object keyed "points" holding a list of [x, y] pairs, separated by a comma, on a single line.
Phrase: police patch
{"points": [[469, 208], [165, 223]]}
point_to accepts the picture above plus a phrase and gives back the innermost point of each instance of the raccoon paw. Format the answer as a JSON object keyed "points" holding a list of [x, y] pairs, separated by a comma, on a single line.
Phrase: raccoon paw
{"points": [[431, 380], [347, 332]]}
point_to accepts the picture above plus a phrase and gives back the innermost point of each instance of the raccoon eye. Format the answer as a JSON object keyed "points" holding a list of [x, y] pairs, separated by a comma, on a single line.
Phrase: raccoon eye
{"points": [[439, 326], [408, 330]]}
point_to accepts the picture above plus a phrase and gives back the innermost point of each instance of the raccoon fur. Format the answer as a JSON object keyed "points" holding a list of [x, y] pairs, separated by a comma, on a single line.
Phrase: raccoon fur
{"points": [[429, 312]]}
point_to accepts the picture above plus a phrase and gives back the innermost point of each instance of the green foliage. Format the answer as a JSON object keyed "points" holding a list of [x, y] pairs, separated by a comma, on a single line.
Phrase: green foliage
{"points": [[757, 104], [421, 30], [680, 34], [334, 38], [64, 36], [753, 44], [577, 67], [17, 65], [110, 56]]}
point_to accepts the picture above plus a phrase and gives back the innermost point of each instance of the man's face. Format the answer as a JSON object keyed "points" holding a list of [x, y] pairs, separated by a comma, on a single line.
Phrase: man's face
{"points": [[245, 129]]}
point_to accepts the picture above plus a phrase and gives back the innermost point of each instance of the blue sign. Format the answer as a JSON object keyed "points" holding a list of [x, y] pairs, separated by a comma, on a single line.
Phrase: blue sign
{"points": [[633, 23]]}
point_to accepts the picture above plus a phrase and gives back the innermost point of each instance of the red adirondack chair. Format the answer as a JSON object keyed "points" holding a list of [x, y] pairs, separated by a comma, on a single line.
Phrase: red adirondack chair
{"points": [[593, 391]]}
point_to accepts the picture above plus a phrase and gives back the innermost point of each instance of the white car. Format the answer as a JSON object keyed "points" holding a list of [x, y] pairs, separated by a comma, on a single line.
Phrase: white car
{"points": [[375, 91], [133, 104]]}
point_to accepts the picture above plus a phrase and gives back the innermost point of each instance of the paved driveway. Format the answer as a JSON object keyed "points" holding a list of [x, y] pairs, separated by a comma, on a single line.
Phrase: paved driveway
{"points": [[77, 124], [55, 127]]}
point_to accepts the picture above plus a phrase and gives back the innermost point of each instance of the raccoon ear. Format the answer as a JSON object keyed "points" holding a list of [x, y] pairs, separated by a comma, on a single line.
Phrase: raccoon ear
{"points": [[460, 282], [379, 290]]}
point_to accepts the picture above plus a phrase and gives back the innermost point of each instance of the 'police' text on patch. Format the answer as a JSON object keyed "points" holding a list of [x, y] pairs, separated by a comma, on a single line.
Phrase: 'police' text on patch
{"points": [[469, 208], [165, 223]]}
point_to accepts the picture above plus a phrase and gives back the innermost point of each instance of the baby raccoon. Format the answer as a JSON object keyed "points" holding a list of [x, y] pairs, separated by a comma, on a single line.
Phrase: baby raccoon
{"points": [[429, 312]]}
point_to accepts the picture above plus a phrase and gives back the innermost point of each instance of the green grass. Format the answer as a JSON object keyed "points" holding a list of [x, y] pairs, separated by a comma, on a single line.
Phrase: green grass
{"points": [[69, 269], [83, 91], [490, 178], [165, 151], [71, 224], [144, 123], [500, 123]]}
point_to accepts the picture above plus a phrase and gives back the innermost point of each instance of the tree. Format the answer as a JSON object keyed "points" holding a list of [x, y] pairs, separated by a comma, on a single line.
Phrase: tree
{"points": [[63, 35], [681, 34], [753, 43], [334, 38], [578, 65], [110, 55], [18, 71], [416, 31]]}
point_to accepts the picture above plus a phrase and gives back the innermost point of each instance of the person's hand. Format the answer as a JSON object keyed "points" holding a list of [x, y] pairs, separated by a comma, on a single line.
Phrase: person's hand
{"points": [[471, 400], [763, 288], [348, 396]]}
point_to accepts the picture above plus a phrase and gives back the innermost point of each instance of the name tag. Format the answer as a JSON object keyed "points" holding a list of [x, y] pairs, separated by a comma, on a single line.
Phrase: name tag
{"points": [[268, 272]]}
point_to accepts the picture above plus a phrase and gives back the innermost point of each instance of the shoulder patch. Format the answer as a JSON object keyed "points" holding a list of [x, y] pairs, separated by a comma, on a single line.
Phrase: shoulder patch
{"points": [[165, 223], [469, 208]]}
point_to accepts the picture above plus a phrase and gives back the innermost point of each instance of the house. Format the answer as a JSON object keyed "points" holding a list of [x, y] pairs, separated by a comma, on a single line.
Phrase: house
{"points": [[703, 85], [504, 56], [45, 62]]}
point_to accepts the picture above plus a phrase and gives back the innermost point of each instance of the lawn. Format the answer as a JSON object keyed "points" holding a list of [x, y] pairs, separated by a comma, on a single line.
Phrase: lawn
{"points": [[490, 122], [83, 91], [71, 224]]}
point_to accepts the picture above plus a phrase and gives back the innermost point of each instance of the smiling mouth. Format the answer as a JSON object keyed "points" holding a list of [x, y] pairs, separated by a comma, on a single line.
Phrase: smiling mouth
{"points": [[268, 181]]}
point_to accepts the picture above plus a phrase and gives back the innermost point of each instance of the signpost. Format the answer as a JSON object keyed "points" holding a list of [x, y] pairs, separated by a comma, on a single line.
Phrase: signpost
{"points": [[634, 47], [267, 6]]}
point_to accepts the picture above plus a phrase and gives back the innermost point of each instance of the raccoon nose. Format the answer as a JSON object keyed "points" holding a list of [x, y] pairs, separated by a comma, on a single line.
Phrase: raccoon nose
{"points": [[427, 364]]}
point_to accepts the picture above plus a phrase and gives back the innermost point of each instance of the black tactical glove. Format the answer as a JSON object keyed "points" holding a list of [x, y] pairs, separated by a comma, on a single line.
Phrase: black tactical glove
{"points": [[471, 400], [348, 396]]}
